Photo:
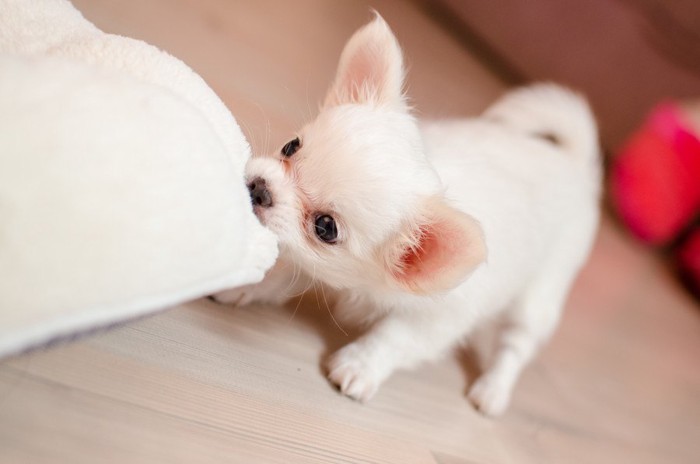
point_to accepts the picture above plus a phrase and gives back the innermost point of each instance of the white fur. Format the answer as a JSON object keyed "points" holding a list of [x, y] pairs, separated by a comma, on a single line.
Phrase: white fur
{"points": [[527, 209]]}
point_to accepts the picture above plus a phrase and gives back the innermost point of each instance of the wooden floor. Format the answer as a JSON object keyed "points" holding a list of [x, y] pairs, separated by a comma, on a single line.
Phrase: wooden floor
{"points": [[619, 383]]}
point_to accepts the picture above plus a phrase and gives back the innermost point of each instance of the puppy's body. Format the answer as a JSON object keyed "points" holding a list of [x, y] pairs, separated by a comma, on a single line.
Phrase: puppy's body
{"points": [[442, 228]]}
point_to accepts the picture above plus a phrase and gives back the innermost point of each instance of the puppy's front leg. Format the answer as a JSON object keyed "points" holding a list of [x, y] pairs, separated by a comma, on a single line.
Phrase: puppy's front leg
{"points": [[399, 341], [281, 283]]}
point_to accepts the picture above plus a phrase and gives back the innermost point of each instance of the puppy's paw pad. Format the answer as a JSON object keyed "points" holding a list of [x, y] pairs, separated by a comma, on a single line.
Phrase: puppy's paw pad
{"points": [[348, 371], [489, 396]]}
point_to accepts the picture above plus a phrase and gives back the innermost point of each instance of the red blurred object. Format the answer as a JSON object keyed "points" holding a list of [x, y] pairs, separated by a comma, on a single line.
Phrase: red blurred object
{"points": [[655, 186], [656, 177]]}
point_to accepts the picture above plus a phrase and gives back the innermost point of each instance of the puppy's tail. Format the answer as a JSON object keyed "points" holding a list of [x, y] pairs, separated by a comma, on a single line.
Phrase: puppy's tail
{"points": [[553, 113]]}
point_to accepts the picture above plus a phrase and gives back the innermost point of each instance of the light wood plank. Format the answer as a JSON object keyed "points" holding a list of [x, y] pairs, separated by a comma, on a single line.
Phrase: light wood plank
{"points": [[206, 383]]}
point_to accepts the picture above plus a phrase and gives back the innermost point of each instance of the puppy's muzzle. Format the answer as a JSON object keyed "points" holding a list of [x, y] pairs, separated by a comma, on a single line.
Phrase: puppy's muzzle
{"points": [[259, 194]]}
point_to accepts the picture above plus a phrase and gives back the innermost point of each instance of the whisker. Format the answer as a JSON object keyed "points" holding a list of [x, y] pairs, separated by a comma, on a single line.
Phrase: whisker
{"points": [[250, 135], [323, 292], [308, 286], [295, 278], [308, 103], [296, 308], [294, 313], [267, 131]]}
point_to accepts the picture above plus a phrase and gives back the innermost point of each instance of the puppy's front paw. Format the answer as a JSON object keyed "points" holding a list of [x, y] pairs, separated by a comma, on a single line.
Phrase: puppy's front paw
{"points": [[490, 396], [240, 296], [350, 370]]}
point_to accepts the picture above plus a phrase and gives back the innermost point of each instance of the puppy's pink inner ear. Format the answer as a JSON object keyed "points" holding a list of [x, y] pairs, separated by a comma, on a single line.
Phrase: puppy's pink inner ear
{"points": [[363, 75], [448, 250], [424, 258]]}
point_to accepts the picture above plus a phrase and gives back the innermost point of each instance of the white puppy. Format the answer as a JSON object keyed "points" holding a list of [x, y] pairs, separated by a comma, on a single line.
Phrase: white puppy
{"points": [[427, 232]]}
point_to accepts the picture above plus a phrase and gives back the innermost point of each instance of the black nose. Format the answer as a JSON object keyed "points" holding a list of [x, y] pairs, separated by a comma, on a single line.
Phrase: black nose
{"points": [[259, 194]]}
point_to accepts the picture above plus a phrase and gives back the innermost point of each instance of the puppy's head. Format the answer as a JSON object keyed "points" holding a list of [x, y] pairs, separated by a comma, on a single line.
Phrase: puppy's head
{"points": [[352, 196]]}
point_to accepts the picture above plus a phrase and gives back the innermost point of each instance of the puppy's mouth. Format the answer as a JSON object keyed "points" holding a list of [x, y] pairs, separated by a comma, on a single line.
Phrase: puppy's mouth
{"points": [[260, 195]]}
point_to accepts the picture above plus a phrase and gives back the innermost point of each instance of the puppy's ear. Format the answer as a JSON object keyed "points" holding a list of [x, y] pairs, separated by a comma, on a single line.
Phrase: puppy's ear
{"points": [[438, 252], [370, 69]]}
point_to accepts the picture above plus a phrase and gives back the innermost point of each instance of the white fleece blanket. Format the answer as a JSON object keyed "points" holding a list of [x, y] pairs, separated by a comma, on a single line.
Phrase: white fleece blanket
{"points": [[121, 188]]}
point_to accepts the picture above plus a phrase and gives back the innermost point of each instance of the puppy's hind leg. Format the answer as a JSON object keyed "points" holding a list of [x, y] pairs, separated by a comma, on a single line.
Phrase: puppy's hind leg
{"points": [[524, 329]]}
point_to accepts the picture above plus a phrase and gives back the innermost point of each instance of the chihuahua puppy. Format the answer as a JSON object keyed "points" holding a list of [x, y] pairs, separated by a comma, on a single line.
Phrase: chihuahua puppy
{"points": [[430, 232]]}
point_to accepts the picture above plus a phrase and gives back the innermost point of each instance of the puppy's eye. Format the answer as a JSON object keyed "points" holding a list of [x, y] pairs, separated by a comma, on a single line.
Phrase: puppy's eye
{"points": [[291, 147], [326, 229]]}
